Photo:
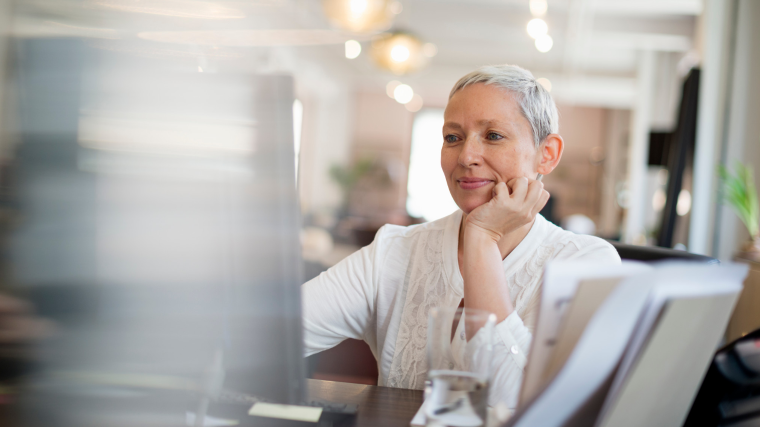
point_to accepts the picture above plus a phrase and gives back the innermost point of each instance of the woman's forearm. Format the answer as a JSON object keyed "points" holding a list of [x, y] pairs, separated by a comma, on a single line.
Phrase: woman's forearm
{"points": [[485, 286]]}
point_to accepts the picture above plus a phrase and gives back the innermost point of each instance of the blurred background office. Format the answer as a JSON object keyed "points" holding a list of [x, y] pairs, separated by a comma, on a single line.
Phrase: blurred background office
{"points": [[653, 97]]}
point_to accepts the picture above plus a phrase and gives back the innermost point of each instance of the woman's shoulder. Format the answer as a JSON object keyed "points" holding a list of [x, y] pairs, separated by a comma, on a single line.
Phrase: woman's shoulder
{"points": [[580, 246], [390, 232]]}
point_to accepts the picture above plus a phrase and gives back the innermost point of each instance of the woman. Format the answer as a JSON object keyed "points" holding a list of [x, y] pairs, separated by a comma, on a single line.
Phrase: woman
{"points": [[500, 131]]}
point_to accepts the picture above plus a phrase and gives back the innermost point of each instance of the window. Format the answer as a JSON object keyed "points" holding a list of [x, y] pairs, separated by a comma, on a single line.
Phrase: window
{"points": [[427, 193]]}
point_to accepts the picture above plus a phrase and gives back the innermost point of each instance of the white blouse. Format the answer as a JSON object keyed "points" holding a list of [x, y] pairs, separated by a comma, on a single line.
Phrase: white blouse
{"points": [[382, 294]]}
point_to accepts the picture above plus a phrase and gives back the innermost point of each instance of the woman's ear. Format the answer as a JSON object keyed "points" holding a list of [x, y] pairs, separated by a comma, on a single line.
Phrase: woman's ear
{"points": [[549, 153]]}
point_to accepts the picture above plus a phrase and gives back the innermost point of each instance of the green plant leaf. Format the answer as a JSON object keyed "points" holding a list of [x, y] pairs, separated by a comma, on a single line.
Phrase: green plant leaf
{"points": [[740, 193]]}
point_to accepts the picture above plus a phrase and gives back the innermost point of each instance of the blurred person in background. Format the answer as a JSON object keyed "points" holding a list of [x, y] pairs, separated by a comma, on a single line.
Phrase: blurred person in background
{"points": [[500, 131]]}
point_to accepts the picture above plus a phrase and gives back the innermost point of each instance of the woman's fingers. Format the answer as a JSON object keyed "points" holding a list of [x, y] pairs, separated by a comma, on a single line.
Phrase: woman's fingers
{"points": [[519, 188], [500, 191], [534, 192], [513, 204], [541, 202]]}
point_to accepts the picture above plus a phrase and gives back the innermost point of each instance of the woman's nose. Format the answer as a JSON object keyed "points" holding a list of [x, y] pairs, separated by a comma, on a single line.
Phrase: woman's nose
{"points": [[471, 154]]}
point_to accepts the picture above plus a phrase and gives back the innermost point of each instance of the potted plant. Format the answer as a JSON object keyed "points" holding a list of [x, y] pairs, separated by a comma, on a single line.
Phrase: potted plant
{"points": [[348, 176], [741, 195]]}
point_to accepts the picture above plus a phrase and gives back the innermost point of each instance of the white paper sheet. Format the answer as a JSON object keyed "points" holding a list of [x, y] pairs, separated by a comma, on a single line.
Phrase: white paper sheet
{"points": [[560, 284]]}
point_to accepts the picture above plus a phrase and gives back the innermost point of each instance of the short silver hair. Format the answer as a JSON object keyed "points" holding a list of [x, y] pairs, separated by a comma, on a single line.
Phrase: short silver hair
{"points": [[535, 102]]}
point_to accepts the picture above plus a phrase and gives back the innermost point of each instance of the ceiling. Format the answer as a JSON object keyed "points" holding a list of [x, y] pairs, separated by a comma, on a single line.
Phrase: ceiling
{"points": [[593, 61]]}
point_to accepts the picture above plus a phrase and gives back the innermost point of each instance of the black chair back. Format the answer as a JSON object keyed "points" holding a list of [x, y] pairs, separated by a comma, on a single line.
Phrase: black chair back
{"points": [[654, 253]]}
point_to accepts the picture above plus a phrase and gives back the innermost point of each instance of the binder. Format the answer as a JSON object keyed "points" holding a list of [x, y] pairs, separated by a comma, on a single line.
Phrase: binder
{"points": [[625, 347]]}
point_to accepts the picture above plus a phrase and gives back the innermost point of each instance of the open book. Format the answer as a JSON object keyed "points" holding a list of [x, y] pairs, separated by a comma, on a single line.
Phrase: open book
{"points": [[628, 345]]}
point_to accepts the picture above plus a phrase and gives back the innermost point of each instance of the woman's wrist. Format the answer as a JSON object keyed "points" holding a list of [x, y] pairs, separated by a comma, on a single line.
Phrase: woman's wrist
{"points": [[474, 232]]}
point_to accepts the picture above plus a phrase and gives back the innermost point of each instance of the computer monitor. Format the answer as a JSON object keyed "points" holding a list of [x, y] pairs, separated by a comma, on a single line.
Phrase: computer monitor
{"points": [[160, 229]]}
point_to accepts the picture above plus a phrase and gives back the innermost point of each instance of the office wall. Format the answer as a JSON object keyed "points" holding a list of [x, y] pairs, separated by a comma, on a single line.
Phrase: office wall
{"points": [[576, 184], [616, 133]]}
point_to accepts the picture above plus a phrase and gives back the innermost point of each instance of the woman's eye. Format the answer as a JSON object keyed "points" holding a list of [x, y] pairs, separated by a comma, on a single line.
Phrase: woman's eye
{"points": [[450, 138], [493, 136]]}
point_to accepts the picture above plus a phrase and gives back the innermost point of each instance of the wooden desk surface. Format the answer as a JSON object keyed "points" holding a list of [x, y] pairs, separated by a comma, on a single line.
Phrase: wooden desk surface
{"points": [[378, 406]]}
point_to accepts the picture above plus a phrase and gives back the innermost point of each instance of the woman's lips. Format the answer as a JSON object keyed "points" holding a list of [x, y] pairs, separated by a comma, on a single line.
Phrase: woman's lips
{"points": [[473, 183]]}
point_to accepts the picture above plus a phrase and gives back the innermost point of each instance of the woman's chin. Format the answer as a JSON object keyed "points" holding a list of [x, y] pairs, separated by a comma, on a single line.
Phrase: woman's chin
{"points": [[468, 206]]}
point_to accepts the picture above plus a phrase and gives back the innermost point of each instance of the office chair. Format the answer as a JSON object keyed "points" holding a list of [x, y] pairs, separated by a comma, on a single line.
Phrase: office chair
{"points": [[655, 253]]}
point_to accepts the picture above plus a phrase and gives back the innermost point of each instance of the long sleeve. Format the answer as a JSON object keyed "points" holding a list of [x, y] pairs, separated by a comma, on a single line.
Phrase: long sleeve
{"points": [[510, 354], [515, 333], [340, 303]]}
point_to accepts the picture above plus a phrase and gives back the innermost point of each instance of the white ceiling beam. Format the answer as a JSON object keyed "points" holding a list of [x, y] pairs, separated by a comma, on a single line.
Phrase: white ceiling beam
{"points": [[595, 91], [580, 21], [649, 7], [640, 41]]}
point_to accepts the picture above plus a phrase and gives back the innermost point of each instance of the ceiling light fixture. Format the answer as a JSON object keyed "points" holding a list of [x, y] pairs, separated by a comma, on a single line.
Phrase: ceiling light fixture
{"points": [[403, 93], [358, 7], [361, 16], [538, 8], [544, 43], [390, 87], [400, 53], [537, 27], [353, 49]]}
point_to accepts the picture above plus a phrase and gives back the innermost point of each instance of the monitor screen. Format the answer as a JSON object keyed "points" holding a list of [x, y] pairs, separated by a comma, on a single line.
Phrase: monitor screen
{"points": [[159, 228]]}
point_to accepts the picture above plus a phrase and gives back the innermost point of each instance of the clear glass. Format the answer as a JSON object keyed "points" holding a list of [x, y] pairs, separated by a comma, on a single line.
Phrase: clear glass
{"points": [[459, 350]]}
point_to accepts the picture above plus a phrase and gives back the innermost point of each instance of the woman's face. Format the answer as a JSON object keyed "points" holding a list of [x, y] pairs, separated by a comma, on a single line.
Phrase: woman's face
{"points": [[486, 140]]}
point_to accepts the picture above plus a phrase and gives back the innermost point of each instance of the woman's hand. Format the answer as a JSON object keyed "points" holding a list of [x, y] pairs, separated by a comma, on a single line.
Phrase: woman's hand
{"points": [[506, 212], [486, 240]]}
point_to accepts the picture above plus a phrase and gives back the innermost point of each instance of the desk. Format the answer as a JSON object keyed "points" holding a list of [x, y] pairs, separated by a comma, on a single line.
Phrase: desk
{"points": [[378, 406]]}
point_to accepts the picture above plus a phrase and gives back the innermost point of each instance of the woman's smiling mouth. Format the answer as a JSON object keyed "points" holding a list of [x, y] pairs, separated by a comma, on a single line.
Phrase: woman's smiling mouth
{"points": [[473, 183]]}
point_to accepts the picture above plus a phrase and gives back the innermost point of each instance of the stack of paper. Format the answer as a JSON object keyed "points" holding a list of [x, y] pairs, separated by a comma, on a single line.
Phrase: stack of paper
{"points": [[624, 345]]}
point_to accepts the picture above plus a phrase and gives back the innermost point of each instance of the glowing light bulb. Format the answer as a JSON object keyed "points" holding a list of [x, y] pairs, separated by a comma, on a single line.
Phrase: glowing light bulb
{"points": [[391, 86], [544, 43], [403, 94], [538, 7], [358, 6], [537, 28], [353, 49], [400, 53]]}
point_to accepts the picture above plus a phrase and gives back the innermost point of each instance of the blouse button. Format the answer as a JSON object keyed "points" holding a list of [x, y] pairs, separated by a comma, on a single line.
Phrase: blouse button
{"points": [[451, 366], [513, 349], [461, 335]]}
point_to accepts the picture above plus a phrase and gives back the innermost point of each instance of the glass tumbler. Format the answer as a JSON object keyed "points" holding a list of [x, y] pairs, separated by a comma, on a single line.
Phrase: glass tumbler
{"points": [[459, 352]]}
